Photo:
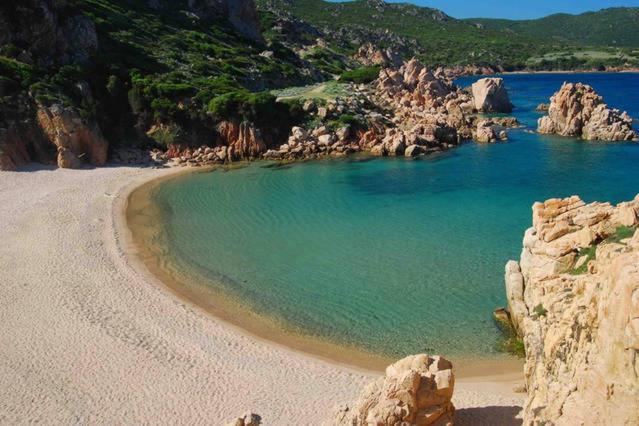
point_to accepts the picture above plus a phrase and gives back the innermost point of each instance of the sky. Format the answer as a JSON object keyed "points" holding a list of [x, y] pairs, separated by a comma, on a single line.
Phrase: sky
{"points": [[516, 9]]}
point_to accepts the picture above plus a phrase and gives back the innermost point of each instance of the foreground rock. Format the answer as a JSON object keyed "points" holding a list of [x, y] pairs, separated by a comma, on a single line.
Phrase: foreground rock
{"points": [[577, 110], [490, 95], [574, 298], [416, 390], [77, 140]]}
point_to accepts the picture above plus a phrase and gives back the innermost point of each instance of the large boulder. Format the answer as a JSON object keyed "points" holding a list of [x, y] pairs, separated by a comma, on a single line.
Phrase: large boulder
{"points": [[76, 139], [490, 95], [574, 299], [416, 390], [577, 110]]}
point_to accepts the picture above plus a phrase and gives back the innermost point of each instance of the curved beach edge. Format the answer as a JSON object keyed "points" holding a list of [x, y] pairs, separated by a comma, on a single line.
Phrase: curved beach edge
{"points": [[89, 334]]}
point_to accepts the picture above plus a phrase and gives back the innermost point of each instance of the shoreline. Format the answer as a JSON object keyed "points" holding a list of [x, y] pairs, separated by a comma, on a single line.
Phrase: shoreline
{"points": [[90, 337], [138, 228]]}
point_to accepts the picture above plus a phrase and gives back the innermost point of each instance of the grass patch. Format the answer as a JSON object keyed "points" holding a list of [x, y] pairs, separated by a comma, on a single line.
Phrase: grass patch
{"points": [[540, 311], [361, 75], [590, 253], [510, 342], [621, 233]]}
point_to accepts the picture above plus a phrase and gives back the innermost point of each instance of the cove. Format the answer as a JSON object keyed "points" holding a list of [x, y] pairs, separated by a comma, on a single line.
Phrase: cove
{"points": [[390, 256]]}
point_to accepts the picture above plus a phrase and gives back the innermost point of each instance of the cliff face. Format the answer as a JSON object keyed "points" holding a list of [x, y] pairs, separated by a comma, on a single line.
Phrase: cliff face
{"points": [[45, 33], [242, 14], [574, 298]]}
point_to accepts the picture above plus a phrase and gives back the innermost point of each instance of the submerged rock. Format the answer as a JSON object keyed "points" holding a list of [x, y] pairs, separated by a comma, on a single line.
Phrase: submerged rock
{"points": [[416, 390], [577, 110]]}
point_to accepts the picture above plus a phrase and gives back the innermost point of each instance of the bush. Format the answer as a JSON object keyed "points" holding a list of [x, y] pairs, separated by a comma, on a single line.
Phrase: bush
{"points": [[361, 75]]}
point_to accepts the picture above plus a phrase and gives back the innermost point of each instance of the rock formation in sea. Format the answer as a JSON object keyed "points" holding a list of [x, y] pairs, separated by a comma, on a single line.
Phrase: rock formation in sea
{"points": [[490, 95], [574, 298], [577, 110], [416, 390]]}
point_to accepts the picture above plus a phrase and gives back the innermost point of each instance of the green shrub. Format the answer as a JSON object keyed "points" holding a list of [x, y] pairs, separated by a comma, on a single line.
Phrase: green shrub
{"points": [[166, 135], [540, 311], [361, 75], [509, 342]]}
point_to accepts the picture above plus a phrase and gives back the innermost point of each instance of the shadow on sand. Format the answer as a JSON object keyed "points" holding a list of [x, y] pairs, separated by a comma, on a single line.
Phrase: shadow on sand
{"points": [[489, 416]]}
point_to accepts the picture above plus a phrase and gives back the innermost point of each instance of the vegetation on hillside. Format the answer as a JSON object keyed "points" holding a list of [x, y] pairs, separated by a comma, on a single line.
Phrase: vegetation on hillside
{"points": [[555, 42], [607, 27], [161, 64]]}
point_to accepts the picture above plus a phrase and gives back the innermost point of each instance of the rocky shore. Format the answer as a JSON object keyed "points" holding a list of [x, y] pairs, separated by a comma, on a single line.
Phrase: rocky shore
{"points": [[577, 110], [573, 297], [408, 111]]}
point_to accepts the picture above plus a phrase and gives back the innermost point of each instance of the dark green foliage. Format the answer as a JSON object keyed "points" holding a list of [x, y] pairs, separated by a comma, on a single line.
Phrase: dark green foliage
{"points": [[361, 75], [540, 311], [511, 45], [607, 27]]}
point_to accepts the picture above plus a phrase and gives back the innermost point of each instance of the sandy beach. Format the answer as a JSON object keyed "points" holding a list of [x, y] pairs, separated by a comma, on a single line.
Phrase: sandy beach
{"points": [[87, 335]]}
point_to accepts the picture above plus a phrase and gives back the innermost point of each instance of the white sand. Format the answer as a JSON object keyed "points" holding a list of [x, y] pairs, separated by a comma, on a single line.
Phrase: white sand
{"points": [[87, 337]]}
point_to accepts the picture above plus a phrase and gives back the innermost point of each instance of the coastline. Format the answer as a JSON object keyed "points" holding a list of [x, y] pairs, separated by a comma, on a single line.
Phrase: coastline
{"points": [[137, 218], [89, 337]]}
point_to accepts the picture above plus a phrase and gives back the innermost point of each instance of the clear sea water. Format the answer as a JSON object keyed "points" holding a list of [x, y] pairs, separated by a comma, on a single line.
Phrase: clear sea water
{"points": [[394, 256]]}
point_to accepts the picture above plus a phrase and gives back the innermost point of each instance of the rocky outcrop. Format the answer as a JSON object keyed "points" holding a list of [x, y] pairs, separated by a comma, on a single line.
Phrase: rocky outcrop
{"points": [[416, 390], [485, 133], [577, 110], [574, 298], [368, 54], [244, 140], [242, 14], [429, 107], [22, 143], [45, 34], [490, 95], [77, 140]]}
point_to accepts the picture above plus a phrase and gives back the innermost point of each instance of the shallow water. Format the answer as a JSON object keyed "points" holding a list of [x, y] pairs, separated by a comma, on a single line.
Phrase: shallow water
{"points": [[394, 256]]}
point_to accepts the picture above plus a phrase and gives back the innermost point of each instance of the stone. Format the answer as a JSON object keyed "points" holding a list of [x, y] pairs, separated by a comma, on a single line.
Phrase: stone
{"points": [[246, 420], [416, 390], [413, 151], [580, 331], [485, 133], [80, 138], [577, 110], [490, 95]]}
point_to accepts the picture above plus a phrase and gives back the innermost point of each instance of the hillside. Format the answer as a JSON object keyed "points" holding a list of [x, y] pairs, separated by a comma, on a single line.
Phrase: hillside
{"points": [[593, 40], [607, 27], [125, 66], [431, 34]]}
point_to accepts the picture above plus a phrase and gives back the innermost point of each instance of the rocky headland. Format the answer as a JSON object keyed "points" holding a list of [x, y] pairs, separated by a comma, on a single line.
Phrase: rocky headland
{"points": [[573, 298], [577, 110]]}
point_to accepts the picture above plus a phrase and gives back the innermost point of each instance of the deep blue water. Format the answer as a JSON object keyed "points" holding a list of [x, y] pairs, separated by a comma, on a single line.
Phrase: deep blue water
{"points": [[395, 256]]}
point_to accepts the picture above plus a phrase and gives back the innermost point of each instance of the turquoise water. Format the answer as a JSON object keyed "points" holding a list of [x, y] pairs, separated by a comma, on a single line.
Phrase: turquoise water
{"points": [[394, 256]]}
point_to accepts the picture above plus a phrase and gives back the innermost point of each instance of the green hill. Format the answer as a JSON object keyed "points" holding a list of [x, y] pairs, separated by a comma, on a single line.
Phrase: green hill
{"points": [[607, 27], [608, 37], [440, 38]]}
